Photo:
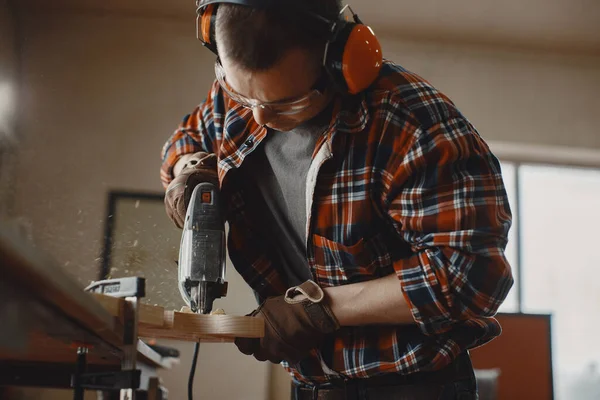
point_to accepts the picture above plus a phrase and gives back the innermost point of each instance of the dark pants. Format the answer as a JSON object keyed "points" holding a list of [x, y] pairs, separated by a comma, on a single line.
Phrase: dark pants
{"points": [[454, 382]]}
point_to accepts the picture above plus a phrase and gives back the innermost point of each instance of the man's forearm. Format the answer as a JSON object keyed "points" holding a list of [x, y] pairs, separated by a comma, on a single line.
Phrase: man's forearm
{"points": [[379, 301]]}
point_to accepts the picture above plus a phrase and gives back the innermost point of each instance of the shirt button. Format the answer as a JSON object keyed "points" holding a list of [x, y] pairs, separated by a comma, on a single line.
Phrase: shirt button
{"points": [[249, 142]]}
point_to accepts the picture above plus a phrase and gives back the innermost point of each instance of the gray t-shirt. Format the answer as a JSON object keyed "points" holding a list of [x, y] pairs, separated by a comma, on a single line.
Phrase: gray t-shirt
{"points": [[280, 167]]}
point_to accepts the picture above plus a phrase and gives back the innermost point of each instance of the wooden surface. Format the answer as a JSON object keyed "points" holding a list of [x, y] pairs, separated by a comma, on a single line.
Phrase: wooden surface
{"points": [[157, 323], [47, 349], [207, 328], [48, 314], [523, 354], [41, 280], [148, 315]]}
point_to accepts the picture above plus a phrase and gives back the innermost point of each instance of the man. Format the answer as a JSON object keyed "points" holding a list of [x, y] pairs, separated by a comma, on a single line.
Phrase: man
{"points": [[371, 225]]}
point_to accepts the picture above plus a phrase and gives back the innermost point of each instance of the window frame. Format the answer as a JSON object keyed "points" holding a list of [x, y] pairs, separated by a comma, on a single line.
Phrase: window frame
{"points": [[520, 154]]}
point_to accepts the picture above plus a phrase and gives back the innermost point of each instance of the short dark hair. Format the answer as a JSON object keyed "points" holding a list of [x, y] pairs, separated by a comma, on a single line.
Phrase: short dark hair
{"points": [[256, 39]]}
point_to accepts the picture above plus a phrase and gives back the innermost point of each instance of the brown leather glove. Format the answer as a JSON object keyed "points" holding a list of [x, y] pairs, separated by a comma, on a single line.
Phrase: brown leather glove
{"points": [[199, 168], [294, 324]]}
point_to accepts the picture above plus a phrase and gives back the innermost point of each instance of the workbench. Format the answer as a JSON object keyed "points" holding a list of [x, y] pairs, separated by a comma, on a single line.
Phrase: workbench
{"points": [[47, 319]]}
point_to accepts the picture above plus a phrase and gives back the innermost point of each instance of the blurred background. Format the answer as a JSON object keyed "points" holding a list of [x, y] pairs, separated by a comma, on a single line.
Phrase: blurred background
{"points": [[91, 89]]}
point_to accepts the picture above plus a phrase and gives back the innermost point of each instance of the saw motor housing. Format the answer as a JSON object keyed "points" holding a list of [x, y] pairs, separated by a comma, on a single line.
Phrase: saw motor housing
{"points": [[202, 254]]}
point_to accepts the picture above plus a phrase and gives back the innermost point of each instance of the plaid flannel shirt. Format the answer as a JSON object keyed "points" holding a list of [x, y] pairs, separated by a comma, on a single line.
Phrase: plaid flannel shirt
{"points": [[400, 183]]}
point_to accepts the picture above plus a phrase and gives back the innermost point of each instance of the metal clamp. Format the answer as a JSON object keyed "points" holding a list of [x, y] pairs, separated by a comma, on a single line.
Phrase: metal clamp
{"points": [[128, 379]]}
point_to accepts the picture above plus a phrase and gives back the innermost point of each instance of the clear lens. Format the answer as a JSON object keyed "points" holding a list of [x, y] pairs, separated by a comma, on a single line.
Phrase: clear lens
{"points": [[282, 108]]}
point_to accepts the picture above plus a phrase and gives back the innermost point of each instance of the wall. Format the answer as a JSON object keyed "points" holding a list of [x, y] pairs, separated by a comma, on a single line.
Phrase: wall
{"points": [[8, 88], [101, 93], [512, 95], [8, 68], [558, 24]]}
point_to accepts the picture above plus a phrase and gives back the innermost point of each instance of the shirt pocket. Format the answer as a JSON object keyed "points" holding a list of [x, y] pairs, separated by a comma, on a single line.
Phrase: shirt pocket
{"points": [[338, 264]]}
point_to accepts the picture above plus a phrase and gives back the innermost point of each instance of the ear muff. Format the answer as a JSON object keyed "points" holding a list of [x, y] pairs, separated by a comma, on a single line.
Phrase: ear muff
{"points": [[353, 57], [205, 26]]}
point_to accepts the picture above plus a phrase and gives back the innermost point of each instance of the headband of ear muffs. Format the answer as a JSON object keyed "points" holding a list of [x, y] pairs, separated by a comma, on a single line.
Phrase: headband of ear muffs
{"points": [[353, 56], [205, 26], [352, 59]]}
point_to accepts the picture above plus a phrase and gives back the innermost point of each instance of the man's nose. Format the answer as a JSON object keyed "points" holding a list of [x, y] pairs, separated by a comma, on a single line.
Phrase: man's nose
{"points": [[262, 115]]}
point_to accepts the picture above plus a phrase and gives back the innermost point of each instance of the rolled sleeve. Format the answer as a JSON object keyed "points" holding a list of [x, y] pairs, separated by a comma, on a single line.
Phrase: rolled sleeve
{"points": [[185, 140], [196, 132], [447, 200]]}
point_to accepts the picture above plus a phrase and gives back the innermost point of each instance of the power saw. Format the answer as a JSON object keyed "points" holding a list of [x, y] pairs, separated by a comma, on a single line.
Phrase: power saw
{"points": [[202, 254]]}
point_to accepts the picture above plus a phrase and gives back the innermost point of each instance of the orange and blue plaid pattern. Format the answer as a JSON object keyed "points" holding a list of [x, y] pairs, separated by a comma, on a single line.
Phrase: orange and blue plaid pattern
{"points": [[408, 187]]}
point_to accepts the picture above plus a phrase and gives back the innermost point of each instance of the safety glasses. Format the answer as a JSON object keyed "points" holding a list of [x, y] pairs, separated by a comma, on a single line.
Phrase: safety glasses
{"points": [[287, 107]]}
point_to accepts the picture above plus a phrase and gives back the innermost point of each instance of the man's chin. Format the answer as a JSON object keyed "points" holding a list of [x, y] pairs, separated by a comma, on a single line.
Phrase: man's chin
{"points": [[283, 127]]}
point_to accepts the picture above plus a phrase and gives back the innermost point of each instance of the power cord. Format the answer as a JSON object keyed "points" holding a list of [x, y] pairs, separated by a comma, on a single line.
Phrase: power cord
{"points": [[193, 371]]}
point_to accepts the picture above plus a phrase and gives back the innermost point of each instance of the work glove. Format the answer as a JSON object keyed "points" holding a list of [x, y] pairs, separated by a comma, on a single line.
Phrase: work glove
{"points": [[295, 323], [198, 168]]}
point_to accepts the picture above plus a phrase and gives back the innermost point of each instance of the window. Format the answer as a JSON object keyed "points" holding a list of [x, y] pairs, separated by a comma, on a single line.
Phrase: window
{"points": [[509, 171], [553, 249]]}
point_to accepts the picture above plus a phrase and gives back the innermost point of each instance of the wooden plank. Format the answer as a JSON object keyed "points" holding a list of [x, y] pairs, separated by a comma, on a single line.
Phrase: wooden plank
{"points": [[46, 349], [207, 328], [217, 325], [43, 348], [159, 333], [151, 315], [156, 323], [113, 305], [148, 315]]}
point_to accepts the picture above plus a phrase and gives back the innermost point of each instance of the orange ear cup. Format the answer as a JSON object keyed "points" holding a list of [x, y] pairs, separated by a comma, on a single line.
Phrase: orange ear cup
{"points": [[206, 23], [362, 59]]}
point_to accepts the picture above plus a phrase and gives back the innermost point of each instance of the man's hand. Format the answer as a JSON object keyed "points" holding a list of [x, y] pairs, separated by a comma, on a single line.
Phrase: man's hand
{"points": [[198, 168], [294, 324]]}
